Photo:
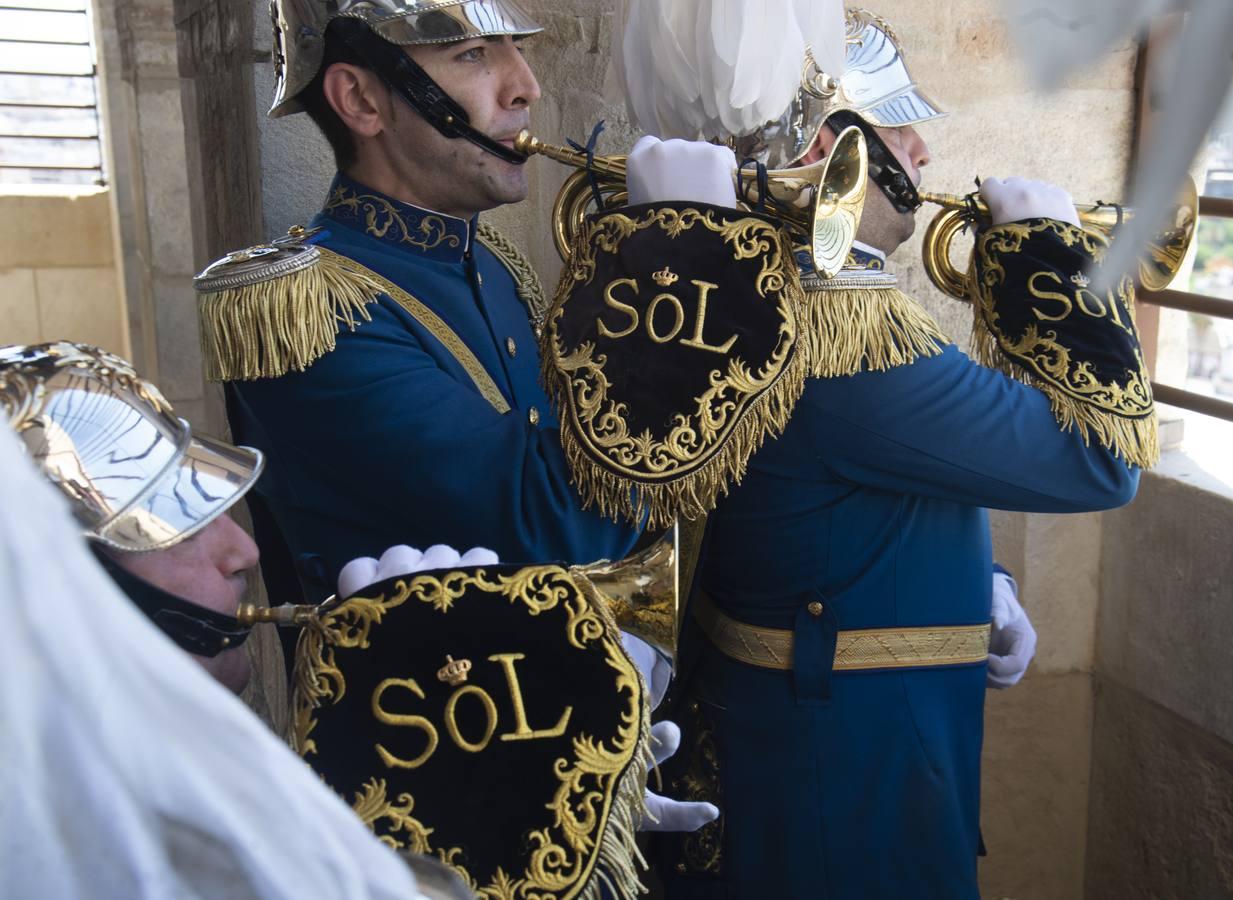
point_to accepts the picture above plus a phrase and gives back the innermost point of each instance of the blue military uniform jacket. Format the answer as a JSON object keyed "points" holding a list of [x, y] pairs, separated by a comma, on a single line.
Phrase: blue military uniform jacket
{"points": [[868, 512], [388, 439]]}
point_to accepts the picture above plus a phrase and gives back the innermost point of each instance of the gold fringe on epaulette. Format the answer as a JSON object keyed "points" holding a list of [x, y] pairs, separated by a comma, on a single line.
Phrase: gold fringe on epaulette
{"points": [[283, 324], [851, 330], [1134, 439], [692, 495]]}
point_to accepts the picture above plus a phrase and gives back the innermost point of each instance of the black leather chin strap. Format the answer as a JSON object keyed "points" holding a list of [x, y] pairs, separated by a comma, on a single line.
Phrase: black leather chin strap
{"points": [[406, 78], [884, 168], [194, 628]]}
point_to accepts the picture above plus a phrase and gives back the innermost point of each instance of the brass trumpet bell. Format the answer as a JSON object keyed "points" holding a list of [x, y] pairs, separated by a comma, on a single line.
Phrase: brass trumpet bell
{"points": [[643, 591], [1158, 265], [821, 202]]}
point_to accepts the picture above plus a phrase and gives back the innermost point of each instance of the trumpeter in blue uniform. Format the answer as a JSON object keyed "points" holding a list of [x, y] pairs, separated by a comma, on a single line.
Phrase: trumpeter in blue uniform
{"points": [[839, 634], [384, 357]]}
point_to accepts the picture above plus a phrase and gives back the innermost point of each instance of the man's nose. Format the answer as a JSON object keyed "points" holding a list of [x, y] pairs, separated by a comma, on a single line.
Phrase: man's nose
{"points": [[522, 87], [917, 149], [236, 551]]}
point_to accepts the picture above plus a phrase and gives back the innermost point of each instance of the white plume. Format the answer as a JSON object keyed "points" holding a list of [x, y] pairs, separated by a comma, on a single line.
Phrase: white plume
{"points": [[718, 68]]}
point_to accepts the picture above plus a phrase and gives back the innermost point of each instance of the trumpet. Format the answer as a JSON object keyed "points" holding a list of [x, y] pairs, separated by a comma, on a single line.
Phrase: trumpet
{"points": [[641, 592], [1162, 257], [821, 203]]}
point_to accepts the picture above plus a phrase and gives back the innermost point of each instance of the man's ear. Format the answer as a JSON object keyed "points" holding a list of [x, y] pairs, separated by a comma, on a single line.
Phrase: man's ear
{"points": [[821, 146], [358, 96]]}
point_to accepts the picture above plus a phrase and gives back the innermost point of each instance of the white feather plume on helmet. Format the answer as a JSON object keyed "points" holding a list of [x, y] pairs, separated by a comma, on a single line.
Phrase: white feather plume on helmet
{"points": [[717, 69]]}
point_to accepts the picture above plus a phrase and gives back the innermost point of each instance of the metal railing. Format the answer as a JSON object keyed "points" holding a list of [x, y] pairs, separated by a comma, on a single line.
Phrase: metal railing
{"points": [[1203, 304]]}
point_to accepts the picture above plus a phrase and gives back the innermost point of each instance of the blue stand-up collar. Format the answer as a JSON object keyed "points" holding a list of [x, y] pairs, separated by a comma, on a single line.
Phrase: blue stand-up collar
{"points": [[431, 234]]}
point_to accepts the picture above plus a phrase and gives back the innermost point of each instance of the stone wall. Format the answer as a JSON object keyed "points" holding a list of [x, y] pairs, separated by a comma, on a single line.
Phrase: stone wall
{"points": [[1161, 823], [140, 92], [58, 277]]}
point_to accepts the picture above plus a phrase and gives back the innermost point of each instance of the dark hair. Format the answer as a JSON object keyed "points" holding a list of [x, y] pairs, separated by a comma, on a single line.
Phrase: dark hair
{"points": [[318, 107]]}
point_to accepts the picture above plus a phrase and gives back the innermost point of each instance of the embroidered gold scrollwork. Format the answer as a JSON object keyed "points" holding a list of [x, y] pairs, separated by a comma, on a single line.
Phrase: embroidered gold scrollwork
{"points": [[380, 215], [582, 809], [602, 420], [1039, 347], [701, 850]]}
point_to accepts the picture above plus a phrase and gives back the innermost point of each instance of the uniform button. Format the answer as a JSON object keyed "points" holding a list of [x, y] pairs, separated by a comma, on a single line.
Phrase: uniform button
{"points": [[533, 415], [511, 347], [815, 608]]}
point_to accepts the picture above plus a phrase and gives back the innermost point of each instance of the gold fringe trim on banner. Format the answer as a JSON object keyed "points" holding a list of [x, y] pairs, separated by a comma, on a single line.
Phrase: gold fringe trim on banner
{"points": [[858, 329], [1134, 439], [283, 324], [694, 493], [619, 861]]}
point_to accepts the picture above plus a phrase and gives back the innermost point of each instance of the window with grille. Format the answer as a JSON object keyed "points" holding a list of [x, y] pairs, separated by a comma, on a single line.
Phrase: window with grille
{"points": [[49, 122]]}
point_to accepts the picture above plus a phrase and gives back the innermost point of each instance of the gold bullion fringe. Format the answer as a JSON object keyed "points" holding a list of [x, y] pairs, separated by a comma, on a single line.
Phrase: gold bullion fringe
{"points": [[690, 496], [851, 330], [1135, 440], [619, 860], [268, 329]]}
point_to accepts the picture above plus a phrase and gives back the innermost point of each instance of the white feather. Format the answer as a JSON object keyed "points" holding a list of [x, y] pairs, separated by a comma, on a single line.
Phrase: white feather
{"points": [[822, 26], [715, 68]]}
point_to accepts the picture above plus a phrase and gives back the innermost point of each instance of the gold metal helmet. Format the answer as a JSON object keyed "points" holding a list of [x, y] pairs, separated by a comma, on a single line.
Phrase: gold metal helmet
{"points": [[135, 476], [875, 84], [299, 31]]}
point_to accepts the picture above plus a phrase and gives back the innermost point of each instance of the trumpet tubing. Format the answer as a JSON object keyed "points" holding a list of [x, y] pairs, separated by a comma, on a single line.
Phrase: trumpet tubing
{"points": [[1159, 263], [821, 202]]}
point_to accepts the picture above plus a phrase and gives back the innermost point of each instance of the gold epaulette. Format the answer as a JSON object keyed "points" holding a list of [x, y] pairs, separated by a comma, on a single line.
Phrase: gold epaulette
{"points": [[860, 321], [277, 307]]}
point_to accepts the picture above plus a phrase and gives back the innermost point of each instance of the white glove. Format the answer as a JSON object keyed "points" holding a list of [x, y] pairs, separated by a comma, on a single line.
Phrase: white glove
{"points": [[654, 666], [663, 813], [1018, 198], [688, 171], [403, 560], [1012, 642]]}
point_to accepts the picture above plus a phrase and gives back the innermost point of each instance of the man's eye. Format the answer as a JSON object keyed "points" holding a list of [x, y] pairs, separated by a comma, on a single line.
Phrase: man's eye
{"points": [[475, 54]]}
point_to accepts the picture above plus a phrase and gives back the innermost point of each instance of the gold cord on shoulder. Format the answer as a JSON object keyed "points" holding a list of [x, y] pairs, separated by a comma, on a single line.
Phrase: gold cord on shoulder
{"points": [[526, 282]]}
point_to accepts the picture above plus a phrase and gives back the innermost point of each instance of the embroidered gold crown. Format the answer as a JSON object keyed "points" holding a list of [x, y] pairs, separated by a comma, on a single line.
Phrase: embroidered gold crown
{"points": [[1081, 280], [454, 671], [665, 277]]}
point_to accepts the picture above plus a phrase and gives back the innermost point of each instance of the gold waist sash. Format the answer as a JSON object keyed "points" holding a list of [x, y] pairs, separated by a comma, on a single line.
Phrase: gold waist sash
{"points": [[869, 648]]}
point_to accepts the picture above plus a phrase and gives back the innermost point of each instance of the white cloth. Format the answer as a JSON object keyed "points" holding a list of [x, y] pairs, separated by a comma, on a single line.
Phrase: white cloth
{"points": [[664, 813], [654, 666], [403, 560], [1019, 198], [1058, 37], [685, 171], [125, 771], [1012, 640]]}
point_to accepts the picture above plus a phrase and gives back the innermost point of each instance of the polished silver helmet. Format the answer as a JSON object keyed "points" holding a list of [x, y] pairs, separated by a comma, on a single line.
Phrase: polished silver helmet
{"points": [[875, 84], [299, 31], [135, 476]]}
